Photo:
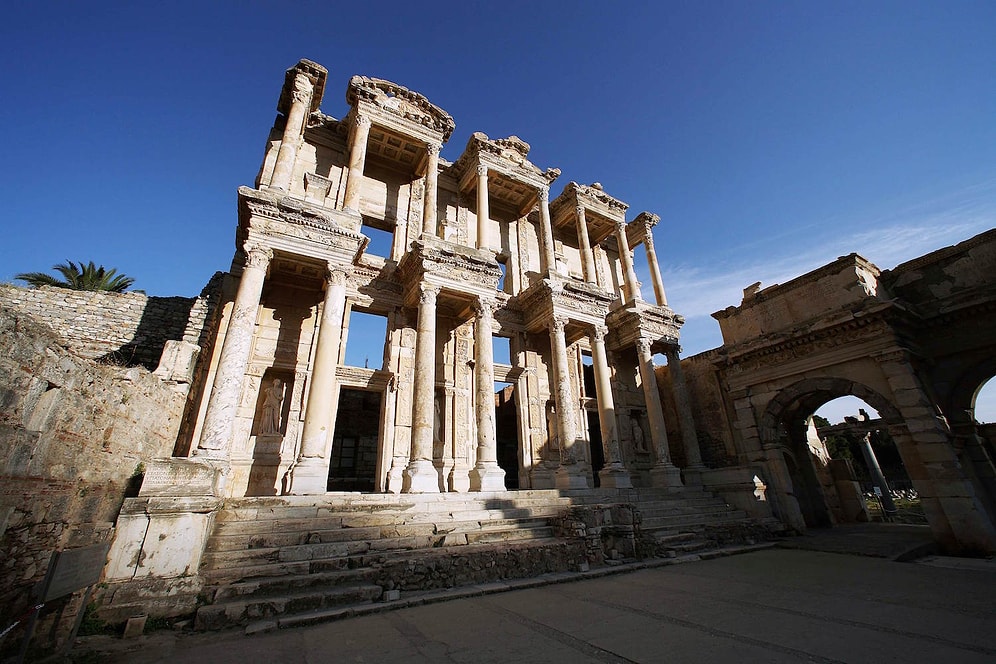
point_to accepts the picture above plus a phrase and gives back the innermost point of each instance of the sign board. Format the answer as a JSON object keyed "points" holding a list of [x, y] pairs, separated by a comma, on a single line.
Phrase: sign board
{"points": [[878, 491], [74, 569]]}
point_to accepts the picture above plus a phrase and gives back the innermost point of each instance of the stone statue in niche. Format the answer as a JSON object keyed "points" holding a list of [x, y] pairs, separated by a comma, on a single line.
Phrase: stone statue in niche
{"points": [[437, 421], [639, 440], [273, 397]]}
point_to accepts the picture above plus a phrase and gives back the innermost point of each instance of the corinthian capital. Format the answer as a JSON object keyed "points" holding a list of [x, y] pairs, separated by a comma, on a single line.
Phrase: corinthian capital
{"points": [[598, 333], [335, 275], [427, 294], [579, 211], [482, 169], [303, 88], [484, 307], [544, 194], [432, 149], [643, 347], [257, 255], [362, 122]]}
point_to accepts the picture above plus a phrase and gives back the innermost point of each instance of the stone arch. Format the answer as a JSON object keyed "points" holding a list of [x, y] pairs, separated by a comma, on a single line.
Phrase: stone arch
{"points": [[967, 387], [783, 432], [811, 393]]}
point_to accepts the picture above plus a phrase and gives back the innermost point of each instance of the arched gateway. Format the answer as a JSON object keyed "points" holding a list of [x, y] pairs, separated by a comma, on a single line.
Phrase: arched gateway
{"points": [[916, 343]]}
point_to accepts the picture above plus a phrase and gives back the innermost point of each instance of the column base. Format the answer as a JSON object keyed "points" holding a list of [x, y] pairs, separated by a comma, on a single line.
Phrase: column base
{"points": [[420, 477], [666, 476], [541, 477], [395, 477], [309, 477], [571, 477], [459, 480], [487, 477], [693, 475], [614, 476]]}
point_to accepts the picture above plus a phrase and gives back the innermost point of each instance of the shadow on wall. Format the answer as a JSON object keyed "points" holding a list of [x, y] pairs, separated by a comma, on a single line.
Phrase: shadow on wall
{"points": [[163, 319]]}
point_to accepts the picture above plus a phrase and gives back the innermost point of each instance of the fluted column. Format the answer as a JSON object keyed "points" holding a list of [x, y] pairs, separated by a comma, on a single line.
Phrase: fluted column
{"points": [[483, 208], [693, 455], [310, 473], [293, 131], [357, 157], [420, 476], [587, 258], [614, 473], [631, 289], [655, 269], [570, 474], [664, 473], [216, 432], [546, 231], [486, 475], [431, 186]]}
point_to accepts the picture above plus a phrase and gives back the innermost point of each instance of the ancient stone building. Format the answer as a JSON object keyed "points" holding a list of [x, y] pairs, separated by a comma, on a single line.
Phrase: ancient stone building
{"points": [[475, 249], [570, 450], [916, 343]]}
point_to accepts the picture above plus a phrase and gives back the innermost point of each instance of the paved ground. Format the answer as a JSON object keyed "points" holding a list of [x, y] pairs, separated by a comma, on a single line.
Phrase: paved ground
{"points": [[775, 605]]}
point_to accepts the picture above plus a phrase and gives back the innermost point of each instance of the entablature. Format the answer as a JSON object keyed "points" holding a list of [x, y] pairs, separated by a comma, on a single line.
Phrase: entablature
{"points": [[293, 227], [577, 301], [602, 212], [512, 178], [640, 320], [447, 266]]}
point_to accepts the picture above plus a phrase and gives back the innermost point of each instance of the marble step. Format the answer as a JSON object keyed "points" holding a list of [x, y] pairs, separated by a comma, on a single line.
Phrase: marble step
{"points": [[661, 523], [364, 562], [321, 550], [322, 533], [244, 610]]}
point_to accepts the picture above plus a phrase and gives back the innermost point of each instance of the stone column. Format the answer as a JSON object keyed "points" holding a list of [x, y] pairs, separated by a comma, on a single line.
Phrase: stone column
{"points": [[689, 436], [483, 208], [420, 476], [357, 157], [311, 472], [664, 473], [570, 474], [486, 475], [631, 289], [216, 433], [546, 231], [655, 269], [587, 258], [431, 180], [614, 473], [293, 131]]}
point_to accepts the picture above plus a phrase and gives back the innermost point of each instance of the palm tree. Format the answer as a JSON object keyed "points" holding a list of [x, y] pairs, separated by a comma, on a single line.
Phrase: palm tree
{"points": [[87, 277]]}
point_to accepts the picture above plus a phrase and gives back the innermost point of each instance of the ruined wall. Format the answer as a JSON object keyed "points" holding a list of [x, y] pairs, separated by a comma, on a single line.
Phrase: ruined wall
{"points": [[73, 434], [128, 328]]}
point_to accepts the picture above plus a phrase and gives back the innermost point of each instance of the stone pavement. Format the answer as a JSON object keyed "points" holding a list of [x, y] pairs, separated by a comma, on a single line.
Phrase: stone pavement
{"points": [[771, 605]]}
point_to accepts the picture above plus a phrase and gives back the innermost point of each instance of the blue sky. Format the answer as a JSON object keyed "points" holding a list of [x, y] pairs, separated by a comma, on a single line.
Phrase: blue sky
{"points": [[770, 137]]}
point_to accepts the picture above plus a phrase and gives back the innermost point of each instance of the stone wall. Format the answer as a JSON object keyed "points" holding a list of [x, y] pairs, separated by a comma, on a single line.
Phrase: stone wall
{"points": [[73, 437], [122, 328]]}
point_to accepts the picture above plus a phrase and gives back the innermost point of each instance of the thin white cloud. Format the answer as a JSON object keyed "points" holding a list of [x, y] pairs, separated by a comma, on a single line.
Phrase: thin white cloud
{"points": [[884, 239]]}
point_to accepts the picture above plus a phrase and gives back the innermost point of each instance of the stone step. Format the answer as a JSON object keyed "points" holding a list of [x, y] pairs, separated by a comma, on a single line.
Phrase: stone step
{"points": [[217, 559], [320, 531], [661, 523], [276, 585], [242, 611], [227, 523]]}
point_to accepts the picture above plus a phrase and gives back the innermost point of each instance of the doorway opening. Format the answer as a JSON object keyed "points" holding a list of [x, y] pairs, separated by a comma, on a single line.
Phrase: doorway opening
{"points": [[355, 442], [507, 432]]}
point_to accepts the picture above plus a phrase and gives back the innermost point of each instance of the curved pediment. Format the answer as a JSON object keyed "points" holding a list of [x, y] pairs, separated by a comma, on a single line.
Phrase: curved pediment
{"points": [[400, 101]]}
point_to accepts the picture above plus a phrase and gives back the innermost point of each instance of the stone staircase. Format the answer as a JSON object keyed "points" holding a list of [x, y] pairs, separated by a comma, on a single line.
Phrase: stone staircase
{"points": [[275, 556]]}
